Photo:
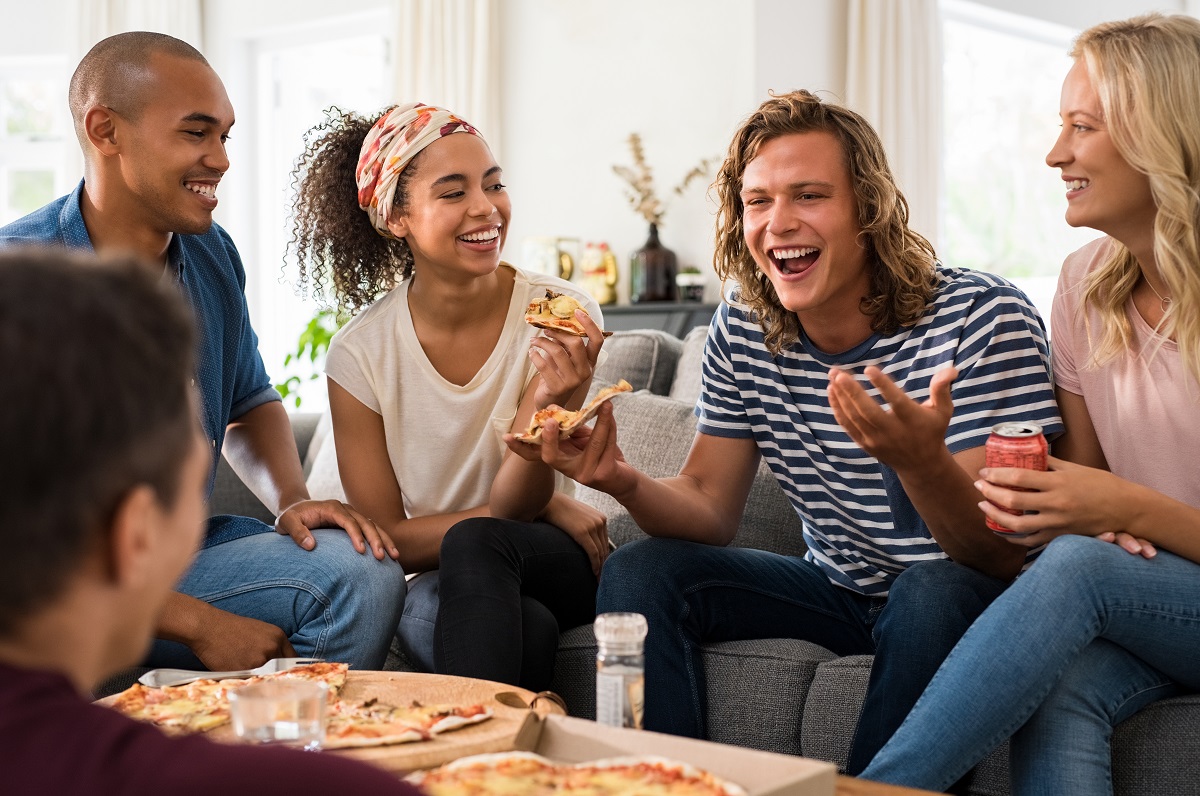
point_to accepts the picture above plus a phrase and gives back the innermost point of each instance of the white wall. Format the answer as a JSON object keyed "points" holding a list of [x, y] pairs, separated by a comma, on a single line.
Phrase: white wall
{"points": [[580, 77], [34, 28]]}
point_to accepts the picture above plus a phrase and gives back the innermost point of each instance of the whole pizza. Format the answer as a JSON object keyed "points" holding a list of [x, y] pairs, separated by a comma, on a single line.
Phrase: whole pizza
{"points": [[526, 773]]}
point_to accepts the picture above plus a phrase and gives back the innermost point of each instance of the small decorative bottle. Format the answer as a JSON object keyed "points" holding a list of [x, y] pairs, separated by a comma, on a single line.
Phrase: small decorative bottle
{"points": [[652, 271], [620, 669]]}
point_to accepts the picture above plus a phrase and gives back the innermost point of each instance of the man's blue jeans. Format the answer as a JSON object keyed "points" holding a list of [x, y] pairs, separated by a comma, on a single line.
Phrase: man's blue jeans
{"points": [[1083, 640], [332, 602], [693, 594]]}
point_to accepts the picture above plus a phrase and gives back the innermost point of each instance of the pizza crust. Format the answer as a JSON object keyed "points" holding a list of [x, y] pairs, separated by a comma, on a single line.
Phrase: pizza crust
{"points": [[568, 421]]}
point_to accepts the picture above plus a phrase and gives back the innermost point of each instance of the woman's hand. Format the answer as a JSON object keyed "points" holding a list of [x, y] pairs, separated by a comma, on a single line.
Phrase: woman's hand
{"points": [[903, 434], [586, 525], [565, 361], [1066, 498]]}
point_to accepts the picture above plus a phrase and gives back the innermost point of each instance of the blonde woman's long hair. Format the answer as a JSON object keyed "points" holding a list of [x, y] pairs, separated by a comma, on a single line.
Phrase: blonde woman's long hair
{"points": [[902, 274], [1146, 71]]}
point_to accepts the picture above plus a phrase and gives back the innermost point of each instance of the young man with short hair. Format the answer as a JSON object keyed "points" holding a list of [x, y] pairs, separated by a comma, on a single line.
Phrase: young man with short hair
{"points": [[838, 302], [153, 118], [104, 482]]}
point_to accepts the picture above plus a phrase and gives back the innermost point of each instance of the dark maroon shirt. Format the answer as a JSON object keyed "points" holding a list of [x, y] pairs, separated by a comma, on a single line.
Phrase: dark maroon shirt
{"points": [[52, 741]]}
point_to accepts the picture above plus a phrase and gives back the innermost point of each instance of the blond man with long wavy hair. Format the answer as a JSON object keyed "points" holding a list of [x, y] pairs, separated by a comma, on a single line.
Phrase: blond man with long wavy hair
{"points": [[839, 302], [1107, 616]]}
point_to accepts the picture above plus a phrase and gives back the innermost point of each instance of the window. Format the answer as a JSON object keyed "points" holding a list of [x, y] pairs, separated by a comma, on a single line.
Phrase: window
{"points": [[296, 82], [34, 128], [1002, 207]]}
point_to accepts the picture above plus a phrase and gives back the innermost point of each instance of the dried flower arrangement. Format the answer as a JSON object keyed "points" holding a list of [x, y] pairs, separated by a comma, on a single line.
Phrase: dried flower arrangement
{"points": [[640, 182]]}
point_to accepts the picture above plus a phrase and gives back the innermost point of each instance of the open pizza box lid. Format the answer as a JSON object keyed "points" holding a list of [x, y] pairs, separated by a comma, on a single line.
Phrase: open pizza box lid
{"points": [[570, 740]]}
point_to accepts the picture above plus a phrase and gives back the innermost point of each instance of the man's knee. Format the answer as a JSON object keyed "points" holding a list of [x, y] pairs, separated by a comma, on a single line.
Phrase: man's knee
{"points": [[338, 569], [641, 573], [940, 594]]}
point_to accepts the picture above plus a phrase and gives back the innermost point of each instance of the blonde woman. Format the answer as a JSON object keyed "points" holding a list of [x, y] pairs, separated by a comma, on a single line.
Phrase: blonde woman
{"points": [[1108, 619]]}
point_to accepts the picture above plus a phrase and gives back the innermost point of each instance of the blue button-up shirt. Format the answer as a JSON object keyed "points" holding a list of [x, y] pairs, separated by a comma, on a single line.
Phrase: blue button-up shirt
{"points": [[208, 270]]}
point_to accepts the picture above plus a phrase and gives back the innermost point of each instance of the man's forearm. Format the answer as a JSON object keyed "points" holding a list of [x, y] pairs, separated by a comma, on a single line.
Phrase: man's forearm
{"points": [[261, 449], [945, 496], [674, 508], [181, 619]]}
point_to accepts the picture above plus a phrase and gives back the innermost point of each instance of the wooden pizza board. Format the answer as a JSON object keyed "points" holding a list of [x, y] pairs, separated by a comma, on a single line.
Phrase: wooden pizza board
{"points": [[497, 734]]}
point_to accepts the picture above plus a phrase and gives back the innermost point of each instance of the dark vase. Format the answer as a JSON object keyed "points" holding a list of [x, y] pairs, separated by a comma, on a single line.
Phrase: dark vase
{"points": [[652, 271]]}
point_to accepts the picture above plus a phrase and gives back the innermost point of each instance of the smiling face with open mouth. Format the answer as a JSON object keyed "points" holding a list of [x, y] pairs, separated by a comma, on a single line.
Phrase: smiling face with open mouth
{"points": [[1103, 191], [800, 220], [457, 213], [172, 147]]}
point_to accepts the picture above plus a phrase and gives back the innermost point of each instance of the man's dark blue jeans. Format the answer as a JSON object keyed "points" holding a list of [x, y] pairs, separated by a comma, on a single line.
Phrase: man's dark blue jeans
{"points": [[692, 594]]}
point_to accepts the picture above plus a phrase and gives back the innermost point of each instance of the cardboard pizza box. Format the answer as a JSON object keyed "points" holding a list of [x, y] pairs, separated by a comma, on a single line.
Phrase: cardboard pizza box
{"points": [[571, 740]]}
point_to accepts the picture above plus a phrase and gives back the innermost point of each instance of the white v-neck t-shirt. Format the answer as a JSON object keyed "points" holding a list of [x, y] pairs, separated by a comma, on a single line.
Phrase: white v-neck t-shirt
{"points": [[444, 440]]}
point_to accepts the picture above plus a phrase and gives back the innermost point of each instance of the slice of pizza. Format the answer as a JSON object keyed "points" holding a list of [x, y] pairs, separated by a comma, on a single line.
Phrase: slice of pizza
{"points": [[333, 675], [504, 773], [373, 723], [556, 311], [567, 420], [195, 707]]}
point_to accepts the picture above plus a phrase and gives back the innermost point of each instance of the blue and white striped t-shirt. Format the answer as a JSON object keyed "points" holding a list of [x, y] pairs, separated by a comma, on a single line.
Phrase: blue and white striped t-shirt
{"points": [[859, 524]]}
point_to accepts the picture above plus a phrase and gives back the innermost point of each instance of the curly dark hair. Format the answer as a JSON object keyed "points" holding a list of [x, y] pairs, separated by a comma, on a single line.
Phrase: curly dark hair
{"points": [[337, 249], [902, 279]]}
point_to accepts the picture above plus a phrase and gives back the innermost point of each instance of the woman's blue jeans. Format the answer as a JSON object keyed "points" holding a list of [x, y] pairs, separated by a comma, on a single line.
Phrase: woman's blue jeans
{"points": [[693, 594], [1087, 637]]}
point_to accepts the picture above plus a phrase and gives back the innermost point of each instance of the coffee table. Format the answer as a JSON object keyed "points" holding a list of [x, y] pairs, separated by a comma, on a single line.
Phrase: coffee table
{"points": [[850, 786]]}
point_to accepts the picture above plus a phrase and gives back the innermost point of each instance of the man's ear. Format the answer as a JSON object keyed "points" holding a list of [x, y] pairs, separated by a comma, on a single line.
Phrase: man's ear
{"points": [[100, 124], [131, 537], [398, 226]]}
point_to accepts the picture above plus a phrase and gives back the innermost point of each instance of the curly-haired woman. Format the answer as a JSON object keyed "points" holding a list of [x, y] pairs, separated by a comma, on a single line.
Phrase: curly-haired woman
{"points": [[402, 217], [833, 286], [1107, 620]]}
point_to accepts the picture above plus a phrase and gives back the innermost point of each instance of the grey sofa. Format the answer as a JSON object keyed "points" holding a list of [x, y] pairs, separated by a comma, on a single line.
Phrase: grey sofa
{"points": [[780, 695]]}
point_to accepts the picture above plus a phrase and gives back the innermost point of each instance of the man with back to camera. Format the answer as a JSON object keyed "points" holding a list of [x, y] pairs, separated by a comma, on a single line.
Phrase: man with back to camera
{"points": [[837, 296], [152, 118], [103, 494]]}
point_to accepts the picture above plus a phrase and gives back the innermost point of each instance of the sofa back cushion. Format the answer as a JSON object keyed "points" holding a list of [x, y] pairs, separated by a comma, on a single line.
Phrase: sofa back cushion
{"points": [[686, 386], [655, 434], [645, 358]]}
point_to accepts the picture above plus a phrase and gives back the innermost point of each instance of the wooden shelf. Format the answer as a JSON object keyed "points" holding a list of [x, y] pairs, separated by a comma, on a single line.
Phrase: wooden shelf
{"points": [[676, 317]]}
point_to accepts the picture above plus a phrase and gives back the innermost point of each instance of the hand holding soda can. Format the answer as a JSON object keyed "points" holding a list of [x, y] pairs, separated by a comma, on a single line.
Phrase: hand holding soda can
{"points": [[1015, 445]]}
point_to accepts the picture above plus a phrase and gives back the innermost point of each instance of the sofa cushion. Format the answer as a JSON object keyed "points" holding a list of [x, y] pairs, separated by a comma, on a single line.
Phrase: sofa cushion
{"points": [[831, 713], [231, 496], [686, 386], [643, 357], [1154, 751], [324, 481]]}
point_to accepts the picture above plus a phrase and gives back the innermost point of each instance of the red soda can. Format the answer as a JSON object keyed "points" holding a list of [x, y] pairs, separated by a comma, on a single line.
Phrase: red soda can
{"points": [[1015, 445]]}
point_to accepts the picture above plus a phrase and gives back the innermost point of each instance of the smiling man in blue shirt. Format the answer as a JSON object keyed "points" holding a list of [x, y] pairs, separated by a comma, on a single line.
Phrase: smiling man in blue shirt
{"points": [[153, 118]]}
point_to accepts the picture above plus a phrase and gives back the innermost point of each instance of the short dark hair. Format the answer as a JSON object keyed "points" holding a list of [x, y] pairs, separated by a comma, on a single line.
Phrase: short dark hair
{"points": [[113, 74], [97, 356]]}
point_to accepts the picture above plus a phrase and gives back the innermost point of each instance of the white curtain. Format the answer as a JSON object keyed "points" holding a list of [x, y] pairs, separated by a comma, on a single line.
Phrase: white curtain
{"points": [[94, 20], [894, 79], [446, 55]]}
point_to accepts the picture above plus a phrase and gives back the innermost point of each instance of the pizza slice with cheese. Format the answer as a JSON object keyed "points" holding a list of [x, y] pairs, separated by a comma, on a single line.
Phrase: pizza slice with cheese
{"points": [[557, 311], [567, 420]]}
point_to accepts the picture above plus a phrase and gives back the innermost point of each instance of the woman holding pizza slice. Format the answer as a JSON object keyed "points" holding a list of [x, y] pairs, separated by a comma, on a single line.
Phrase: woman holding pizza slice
{"points": [[1107, 620], [402, 218]]}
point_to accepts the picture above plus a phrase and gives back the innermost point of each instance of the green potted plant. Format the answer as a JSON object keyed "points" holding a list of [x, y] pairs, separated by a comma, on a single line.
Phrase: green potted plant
{"points": [[311, 347]]}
